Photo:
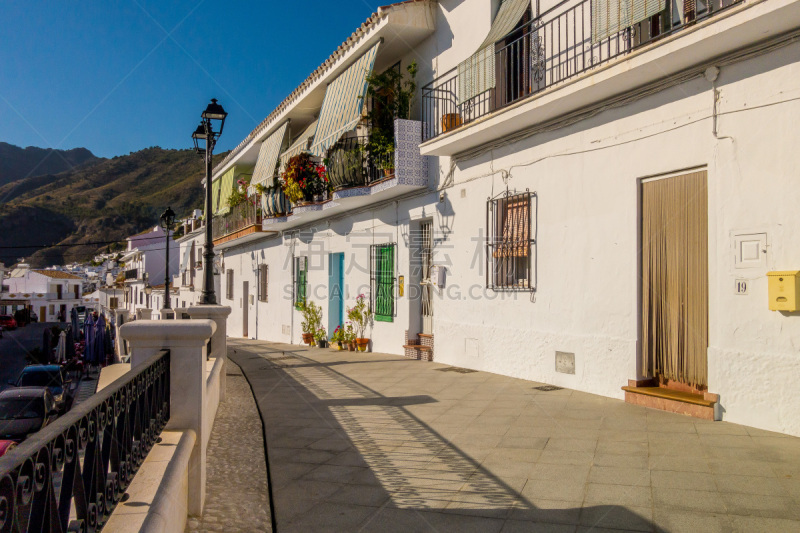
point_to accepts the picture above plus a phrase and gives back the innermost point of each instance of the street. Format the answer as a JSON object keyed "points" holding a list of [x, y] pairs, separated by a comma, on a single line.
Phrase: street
{"points": [[14, 346]]}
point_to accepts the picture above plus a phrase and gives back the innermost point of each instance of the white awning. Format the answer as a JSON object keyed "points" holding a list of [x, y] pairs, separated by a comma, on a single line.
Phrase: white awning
{"points": [[300, 144], [344, 99], [185, 260], [476, 73], [612, 16], [268, 156]]}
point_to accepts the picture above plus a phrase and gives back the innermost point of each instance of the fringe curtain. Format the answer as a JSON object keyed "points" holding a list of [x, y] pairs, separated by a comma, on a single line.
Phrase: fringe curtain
{"points": [[675, 279]]}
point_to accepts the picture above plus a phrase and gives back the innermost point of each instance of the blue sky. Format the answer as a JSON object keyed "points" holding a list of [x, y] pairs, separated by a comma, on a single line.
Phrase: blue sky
{"points": [[117, 76]]}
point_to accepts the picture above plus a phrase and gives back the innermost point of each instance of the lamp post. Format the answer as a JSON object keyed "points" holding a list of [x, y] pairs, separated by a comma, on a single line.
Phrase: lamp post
{"points": [[167, 220], [205, 130]]}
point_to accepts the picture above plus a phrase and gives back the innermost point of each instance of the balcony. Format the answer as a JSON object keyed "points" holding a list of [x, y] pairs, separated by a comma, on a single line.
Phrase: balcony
{"points": [[555, 47], [242, 223], [358, 178], [132, 273]]}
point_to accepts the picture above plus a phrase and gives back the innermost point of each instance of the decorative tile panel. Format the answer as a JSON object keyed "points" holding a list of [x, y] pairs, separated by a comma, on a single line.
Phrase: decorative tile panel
{"points": [[411, 168]]}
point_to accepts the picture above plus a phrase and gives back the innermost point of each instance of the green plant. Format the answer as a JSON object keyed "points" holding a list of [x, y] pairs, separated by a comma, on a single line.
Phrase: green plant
{"points": [[349, 333], [303, 178], [392, 96], [338, 334], [320, 334], [312, 317], [360, 315]]}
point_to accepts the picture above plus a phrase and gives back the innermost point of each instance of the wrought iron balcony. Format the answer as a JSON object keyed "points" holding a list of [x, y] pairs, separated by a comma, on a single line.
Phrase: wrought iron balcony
{"points": [[132, 273], [351, 163], [243, 219], [554, 47], [70, 475]]}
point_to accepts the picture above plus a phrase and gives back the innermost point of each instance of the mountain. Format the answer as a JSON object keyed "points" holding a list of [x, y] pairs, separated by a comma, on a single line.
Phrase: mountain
{"points": [[100, 201], [17, 163]]}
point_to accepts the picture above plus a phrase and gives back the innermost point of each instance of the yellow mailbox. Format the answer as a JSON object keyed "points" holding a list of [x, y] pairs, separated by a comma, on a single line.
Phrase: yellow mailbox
{"points": [[784, 290]]}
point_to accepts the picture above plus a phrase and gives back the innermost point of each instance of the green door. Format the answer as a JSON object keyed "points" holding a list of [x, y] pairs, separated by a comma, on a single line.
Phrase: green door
{"points": [[384, 283]]}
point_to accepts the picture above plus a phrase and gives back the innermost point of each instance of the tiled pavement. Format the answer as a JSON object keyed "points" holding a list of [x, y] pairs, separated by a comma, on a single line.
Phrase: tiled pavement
{"points": [[372, 442]]}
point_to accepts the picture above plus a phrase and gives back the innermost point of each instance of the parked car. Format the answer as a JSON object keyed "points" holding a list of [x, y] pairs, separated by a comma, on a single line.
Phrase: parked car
{"points": [[25, 411], [8, 322], [6, 446], [51, 376]]}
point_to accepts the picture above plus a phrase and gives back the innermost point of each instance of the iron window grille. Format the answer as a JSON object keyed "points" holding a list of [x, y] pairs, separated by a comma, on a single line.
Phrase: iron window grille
{"points": [[229, 284], [509, 243], [263, 283], [382, 281], [300, 280]]}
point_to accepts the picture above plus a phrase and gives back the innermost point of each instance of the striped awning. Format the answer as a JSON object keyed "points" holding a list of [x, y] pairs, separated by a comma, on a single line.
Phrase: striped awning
{"points": [[185, 260], [268, 156], [612, 16], [300, 144], [225, 188], [344, 99], [476, 73]]}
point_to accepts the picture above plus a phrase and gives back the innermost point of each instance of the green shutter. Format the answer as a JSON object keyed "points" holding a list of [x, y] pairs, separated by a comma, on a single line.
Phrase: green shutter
{"points": [[301, 280], [384, 298]]}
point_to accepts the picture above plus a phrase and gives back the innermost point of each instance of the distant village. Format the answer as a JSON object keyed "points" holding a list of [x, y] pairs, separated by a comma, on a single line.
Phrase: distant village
{"points": [[129, 280]]}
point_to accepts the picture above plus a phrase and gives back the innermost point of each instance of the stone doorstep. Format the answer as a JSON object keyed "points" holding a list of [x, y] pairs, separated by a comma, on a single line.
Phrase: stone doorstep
{"points": [[685, 403]]}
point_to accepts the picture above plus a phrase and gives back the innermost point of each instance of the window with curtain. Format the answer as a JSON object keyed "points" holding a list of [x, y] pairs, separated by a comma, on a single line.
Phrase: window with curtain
{"points": [[383, 281], [300, 280], [263, 280], [509, 243], [612, 16]]}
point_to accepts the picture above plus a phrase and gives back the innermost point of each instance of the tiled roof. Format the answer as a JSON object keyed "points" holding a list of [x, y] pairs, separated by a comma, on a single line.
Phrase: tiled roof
{"points": [[314, 76], [58, 274]]}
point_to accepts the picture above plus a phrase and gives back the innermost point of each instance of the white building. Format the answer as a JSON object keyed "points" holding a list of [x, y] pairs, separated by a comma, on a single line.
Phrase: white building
{"points": [[592, 205], [145, 266], [50, 294]]}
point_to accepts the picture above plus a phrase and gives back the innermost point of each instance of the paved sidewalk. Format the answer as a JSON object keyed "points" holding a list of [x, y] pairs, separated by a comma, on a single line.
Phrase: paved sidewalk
{"points": [[372, 442], [236, 487]]}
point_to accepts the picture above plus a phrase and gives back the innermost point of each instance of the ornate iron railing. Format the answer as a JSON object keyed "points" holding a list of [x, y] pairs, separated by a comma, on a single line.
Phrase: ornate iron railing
{"points": [[553, 47], [132, 273], [241, 216], [350, 163], [70, 475]]}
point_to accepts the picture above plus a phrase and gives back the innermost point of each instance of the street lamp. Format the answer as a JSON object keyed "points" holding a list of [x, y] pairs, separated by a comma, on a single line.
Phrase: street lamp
{"points": [[205, 131], [167, 220]]}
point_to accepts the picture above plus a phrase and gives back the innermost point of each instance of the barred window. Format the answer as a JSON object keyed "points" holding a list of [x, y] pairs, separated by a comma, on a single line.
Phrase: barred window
{"points": [[300, 280], [382, 281], [229, 288], [509, 244], [263, 283]]}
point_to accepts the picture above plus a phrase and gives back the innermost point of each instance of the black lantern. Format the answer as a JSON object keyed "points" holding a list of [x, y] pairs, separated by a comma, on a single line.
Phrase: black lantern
{"points": [[167, 221], [205, 131]]}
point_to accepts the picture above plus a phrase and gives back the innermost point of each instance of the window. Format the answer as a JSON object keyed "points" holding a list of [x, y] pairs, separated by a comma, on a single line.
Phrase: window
{"points": [[229, 289], [263, 283], [60, 291], [141, 297], [300, 280], [77, 290], [382, 281], [509, 245], [113, 303], [52, 310]]}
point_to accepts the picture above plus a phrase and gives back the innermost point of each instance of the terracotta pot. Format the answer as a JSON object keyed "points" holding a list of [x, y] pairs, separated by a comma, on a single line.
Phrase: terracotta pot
{"points": [[308, 338], [351, 346], [451, 121], [388, 172], [362, 344]]}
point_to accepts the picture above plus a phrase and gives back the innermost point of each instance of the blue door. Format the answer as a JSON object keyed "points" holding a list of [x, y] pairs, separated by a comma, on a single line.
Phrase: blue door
{"points": [[335, 292]]}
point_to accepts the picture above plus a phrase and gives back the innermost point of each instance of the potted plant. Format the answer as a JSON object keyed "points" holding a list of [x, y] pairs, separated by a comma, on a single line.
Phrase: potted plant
{"points": [[304, 179], [312, 320], [392, 96], [321, 336], [338, 337], [361, 316], [350, 337]]}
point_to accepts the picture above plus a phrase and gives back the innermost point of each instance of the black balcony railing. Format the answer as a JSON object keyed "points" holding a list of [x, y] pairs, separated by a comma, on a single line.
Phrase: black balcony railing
{"points": [[351, 163], [70, 475], [133, 273], [239, 217], [553, 47]]}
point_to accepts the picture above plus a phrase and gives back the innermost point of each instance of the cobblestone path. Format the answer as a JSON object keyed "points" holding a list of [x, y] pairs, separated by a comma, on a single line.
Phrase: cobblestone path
{"points": [[236, 497]]}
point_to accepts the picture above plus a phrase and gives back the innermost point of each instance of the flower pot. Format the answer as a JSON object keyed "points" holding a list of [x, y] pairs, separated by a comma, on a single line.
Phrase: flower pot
{"points": [[322, 343], [308, 338], [362, 344], [388, 172], [339, 345], [351, 346], [451, 121], [317, 198]]}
